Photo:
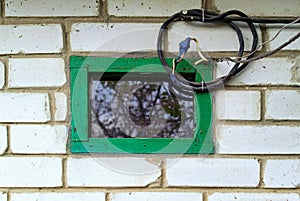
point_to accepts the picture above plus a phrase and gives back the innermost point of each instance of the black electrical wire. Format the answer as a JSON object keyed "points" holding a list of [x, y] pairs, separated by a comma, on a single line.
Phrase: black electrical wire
{"points": [[231, 18]]}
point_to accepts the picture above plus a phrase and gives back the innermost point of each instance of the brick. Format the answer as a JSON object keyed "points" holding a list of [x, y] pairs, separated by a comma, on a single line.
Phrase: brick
{"points": [[113, 172], [284, 35], [109, 37], [258, 140], [30, 172], [253, 196], [24, 107], [36, 72], [60, 106], [212, 172], [238, 105], [3, 196], [283, 104], [267, 71], [154, 196], [38, 139], [261, 8], [149, 8], [31, 39], [2, 75], [38, 8], [126, 37], [210, 36], [3, 140], [282, 173], [61, 196]]}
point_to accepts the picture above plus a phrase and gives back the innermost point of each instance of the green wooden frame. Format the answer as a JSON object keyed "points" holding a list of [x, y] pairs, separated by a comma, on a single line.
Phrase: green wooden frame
{"points": [[80, 142]]}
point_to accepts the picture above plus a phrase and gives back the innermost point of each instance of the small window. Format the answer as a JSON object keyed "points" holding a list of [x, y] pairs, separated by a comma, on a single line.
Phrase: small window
{"points": [[127, 105]]}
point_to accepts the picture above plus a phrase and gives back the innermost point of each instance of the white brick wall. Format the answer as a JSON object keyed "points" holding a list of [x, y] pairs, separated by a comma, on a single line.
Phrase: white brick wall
{"points": [[214, 172], [258, 139], [210, 36], [61, 196], [283, 104], [30, 172], [33, 8], [2, 75], [155, 196], [261, 8], [114, 172], [120, 37], [283, 36], [126, 37], [149, 8], [30, 39], [238, 105], [256, 132], [38, 139], [3, 196], [253, 196], [282, 173], [36, 72], [60, 106], [268, 71], [3, 139], [24, 107]]}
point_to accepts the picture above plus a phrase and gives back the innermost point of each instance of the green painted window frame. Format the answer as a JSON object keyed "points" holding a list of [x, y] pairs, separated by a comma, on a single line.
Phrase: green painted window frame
{"points": [[80, 142]]}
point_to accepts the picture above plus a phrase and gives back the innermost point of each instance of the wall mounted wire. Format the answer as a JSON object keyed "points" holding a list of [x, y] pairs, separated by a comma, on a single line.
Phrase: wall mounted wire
{"points": [[231, 18]]}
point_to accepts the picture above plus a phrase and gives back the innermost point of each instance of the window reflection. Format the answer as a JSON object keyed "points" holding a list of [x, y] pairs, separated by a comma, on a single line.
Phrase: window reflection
{"points": [[138, 109]]}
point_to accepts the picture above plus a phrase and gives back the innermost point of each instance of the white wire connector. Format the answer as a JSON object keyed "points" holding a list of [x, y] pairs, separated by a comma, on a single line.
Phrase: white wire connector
{"points": [[203, 58], [173, 66]]}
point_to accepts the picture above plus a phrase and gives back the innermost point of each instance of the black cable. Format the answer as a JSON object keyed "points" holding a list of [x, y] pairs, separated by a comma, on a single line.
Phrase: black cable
{"points": [[230, 18], [208, 17], [295, 37]]}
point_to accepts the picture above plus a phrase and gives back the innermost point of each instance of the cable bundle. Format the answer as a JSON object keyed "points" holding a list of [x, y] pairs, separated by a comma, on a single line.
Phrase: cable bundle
{"points": [[231, 18]]}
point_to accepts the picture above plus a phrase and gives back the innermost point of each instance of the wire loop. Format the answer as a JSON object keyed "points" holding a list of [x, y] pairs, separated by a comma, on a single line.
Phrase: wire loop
{"points": [[230, 18]]}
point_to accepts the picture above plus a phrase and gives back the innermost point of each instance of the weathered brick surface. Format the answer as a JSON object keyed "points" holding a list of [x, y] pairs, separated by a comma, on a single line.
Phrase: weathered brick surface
{"points": [[3, 139], [31, 38], [154, 196], [256, 128], [24, 107], [253, 196], [126, 37], [238, 105], [61, 196], [36, 72], [283, 104], [261, 8], [212, 172], [30, 172], [38, 139], [282, 173], [283, 36], [60, 106], [110, 37], [2, 75], [149, 8], [266, 72], [53, 8], [3, 196], [258, 139], [104, 172]]}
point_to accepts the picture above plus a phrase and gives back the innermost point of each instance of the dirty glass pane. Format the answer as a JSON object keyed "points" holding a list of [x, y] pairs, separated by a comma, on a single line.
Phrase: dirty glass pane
{"points": [[138, 107]]}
